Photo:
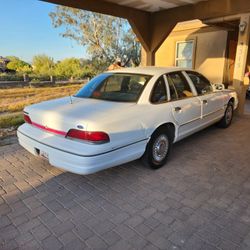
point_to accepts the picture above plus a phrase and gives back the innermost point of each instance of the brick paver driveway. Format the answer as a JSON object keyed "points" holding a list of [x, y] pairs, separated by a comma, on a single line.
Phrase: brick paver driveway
{"points": [[199, 200]]}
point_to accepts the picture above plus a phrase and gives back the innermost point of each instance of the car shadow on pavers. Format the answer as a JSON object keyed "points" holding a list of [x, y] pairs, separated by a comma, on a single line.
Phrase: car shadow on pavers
{"points": [[199, 200]]}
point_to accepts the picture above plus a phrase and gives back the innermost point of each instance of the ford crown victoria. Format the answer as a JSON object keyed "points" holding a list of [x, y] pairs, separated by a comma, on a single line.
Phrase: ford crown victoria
{"points": [[123, 115]]}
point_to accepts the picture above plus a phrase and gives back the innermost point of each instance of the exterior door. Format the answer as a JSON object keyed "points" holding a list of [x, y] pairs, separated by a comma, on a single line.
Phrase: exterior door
{"points": [[186, 107], [231, 60], [232, 43]]}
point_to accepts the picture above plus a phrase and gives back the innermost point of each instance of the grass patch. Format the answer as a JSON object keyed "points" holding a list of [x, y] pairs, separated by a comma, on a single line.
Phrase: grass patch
{"points": [[11, 120], [14, 100]]}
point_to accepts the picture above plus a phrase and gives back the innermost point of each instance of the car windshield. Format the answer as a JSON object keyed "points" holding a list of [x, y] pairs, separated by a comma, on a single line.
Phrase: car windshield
{"points": [[119, 87]]}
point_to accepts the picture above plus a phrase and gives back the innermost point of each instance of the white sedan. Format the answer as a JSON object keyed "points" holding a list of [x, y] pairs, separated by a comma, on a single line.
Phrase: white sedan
{"points": [[124, 115]]}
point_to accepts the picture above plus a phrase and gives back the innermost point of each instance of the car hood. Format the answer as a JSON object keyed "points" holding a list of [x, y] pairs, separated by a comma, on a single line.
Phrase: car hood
{"points": [[66, 113]]}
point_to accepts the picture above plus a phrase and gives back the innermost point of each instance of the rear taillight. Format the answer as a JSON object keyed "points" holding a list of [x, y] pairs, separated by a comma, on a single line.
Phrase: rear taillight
{"points": [[90, 136], [27, 118]]}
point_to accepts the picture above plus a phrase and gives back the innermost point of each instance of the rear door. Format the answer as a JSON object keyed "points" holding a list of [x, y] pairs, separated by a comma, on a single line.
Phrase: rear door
{"points": [[186, 107], [212, 102]]}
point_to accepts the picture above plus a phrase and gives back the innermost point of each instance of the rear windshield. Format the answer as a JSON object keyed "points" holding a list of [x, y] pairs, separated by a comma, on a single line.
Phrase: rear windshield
{"points": [[115, 87]]}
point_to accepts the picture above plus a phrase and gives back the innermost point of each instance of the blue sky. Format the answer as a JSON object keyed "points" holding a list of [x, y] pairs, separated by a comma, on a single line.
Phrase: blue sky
{"points": [[26, 30]]}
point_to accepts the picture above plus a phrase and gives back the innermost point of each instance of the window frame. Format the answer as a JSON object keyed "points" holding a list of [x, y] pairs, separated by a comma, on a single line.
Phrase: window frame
{"points": [[166, 87], [192, 88], [198, 74], [193, 52]]}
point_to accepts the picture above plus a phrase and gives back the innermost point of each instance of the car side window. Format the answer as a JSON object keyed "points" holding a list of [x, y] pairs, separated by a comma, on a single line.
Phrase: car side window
{"points": [[159, 92], [201, 83], [178, 85]]}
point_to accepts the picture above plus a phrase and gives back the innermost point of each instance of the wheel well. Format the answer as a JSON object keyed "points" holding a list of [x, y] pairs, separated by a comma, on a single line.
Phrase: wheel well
{"points": [[231, 100], [171, 127]]}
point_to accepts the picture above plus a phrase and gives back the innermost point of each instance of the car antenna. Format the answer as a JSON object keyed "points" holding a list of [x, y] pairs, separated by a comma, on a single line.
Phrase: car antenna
{"points": [[70, 97]]}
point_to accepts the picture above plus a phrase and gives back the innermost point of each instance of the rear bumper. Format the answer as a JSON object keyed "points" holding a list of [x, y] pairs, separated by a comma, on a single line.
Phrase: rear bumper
{"points": [[81, 164]]}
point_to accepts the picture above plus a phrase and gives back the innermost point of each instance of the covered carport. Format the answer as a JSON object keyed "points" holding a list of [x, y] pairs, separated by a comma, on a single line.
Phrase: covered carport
{"points": [[199, 200], [153, 20]]}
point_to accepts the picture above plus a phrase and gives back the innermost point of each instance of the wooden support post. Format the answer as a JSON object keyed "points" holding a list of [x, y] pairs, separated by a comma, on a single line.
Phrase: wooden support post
{"points": [[241, 61], [150, 58]]}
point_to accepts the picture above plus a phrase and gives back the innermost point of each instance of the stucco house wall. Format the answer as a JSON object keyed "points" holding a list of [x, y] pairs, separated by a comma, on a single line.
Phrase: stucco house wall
{"points": [[209, 48]]}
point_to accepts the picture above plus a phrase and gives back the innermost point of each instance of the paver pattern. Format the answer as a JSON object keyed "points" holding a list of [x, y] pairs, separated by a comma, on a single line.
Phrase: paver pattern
{"points": [[199, 200], [247, 106]]}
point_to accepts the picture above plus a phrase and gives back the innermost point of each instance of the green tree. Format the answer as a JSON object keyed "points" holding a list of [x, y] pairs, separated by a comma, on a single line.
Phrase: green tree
{"points": [[104, 37], [72, 68], [26, 69], [18, 65], [43, 65], [69, 68], [13, 58]]}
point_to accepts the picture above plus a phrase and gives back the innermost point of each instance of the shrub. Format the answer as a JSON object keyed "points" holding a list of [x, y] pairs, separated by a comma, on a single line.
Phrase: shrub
{"points": [[11, 77], [11, 120], [35, 80]]}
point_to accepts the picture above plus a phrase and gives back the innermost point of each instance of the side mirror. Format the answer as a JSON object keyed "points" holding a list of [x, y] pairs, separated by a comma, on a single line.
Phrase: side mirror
{"points": [[218, 86]]}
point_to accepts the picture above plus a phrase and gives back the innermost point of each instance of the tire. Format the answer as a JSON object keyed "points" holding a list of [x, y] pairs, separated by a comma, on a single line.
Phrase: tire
{"points": [[158, 148], [226, 121]]}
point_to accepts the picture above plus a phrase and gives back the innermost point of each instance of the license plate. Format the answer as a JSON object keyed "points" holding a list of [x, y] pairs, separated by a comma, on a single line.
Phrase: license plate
{"points": [[44, 154]]}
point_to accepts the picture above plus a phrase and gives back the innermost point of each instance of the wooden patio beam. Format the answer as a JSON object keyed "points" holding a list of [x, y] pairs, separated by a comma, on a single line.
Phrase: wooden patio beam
{"points": [[102, 7], [138, 19]]}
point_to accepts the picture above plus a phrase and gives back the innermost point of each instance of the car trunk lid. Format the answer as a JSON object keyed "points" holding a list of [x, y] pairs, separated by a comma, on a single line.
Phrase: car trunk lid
{"points": [[60, 115]]}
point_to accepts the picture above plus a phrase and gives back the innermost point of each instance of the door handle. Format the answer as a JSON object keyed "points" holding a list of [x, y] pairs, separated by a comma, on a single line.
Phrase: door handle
{"points": [[177, 109], [205, 102]]}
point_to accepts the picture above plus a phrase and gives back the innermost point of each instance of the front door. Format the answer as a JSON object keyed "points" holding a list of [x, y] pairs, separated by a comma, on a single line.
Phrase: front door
{"points": [[232, 43]]}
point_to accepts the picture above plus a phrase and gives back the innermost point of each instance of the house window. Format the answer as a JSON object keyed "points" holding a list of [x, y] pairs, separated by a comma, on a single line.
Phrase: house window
{"points": [[184, 54]]}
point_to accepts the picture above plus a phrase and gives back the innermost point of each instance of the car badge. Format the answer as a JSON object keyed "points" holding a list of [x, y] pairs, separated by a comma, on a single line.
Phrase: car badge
{"points": [[80, 126]]}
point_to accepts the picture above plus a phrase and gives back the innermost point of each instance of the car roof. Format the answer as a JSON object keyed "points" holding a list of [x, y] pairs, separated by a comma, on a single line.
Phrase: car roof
{"points": [[149, 70]]}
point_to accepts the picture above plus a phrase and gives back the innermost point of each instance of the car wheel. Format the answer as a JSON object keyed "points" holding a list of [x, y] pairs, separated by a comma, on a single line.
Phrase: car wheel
{"points": [[228, 116], [158, 148]]}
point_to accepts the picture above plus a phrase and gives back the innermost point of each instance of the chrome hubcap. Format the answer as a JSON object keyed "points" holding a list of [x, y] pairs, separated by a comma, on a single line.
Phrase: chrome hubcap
{"points": [[160, 148], [229, 114]]}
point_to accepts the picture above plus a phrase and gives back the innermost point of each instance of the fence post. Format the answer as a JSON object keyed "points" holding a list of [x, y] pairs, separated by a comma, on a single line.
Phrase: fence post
{"points": [[52, 79], [25, 78]]}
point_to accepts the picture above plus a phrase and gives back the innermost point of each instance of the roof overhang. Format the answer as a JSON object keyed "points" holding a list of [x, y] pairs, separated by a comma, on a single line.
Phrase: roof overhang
{"points": [[153, 20]]}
